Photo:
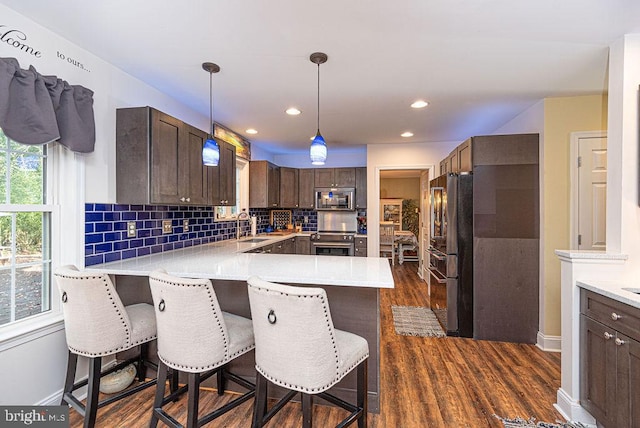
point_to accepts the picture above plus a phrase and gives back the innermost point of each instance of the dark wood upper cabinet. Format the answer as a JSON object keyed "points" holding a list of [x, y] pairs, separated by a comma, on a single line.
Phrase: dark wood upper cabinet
{"points": [[335, 177], [361, 187], [264, 185], [465, 162], [288, 187], [158, 159], [222, 178], [306, 183]]}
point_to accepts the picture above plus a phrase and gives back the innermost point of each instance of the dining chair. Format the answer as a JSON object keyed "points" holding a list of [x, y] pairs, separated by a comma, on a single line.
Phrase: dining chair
{"points": [[387, 240]]}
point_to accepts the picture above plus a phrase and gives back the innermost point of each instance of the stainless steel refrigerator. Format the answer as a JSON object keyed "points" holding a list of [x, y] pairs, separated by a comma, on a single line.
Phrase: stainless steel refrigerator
{"points": [[459, 251]]}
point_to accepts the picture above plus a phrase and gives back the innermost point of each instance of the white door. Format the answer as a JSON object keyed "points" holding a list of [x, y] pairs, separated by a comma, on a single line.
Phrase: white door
{"points": [[424, 225], [592, 193]]}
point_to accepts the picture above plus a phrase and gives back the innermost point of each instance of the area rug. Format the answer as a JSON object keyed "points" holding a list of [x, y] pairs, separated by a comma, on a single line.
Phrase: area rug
{"points": [[416, 321], [532, 423]]}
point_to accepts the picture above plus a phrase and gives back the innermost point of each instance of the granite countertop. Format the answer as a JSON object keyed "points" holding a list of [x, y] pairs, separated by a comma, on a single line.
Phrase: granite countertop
{"points": [[615, 290], [227, 260]]}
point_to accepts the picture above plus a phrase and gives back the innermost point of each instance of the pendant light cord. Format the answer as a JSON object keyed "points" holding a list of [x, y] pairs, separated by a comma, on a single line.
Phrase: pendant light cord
{"points": [[318, 98], [211, 102]]}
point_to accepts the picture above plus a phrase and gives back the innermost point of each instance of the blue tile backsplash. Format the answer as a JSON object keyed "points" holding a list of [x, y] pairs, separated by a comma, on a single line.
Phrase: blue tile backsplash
{"points": [[106, 229]]}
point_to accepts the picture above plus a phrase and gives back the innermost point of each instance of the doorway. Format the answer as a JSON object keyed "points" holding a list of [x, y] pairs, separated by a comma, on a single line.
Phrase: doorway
{"points": [[404, 190]]}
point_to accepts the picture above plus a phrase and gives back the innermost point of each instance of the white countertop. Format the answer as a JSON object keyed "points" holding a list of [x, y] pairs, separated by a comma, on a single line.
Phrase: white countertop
{"points": [[226, 260], [614, 290]]}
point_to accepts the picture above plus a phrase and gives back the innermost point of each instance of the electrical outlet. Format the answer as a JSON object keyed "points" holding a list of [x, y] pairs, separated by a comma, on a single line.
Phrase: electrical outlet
{"points": [[166, 226], [306, 219], [131, 229], [185, 225]]}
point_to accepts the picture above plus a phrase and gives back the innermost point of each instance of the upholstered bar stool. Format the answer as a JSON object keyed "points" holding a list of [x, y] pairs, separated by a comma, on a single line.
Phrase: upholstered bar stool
{"points": [[195, 336], [298, 348], [97, 324]]}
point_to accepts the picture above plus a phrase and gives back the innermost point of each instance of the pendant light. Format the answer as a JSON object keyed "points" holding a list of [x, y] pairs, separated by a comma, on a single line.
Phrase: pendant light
{"points": [[318, 149], [211, 150]]}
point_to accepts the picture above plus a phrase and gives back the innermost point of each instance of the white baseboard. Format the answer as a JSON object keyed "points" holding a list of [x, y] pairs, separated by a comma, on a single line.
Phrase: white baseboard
{"points": [[549, 343], [571, 409], [52, 400]]}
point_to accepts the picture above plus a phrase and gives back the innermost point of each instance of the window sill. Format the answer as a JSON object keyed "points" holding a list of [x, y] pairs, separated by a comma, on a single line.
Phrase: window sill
{"points": [[30, 329]]}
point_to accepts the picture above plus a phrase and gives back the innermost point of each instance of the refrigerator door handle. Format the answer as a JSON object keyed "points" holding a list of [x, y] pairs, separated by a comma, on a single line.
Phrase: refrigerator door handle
{"points": [[451, 214]]}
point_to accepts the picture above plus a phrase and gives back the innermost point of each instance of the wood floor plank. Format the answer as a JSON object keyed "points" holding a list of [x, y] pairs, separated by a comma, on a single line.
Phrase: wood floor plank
{"points": [[425, 382]]}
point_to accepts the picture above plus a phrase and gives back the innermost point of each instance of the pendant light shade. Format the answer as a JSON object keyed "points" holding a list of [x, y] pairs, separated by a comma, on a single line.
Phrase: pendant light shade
{"points": [[211, 149], [318, 149]]}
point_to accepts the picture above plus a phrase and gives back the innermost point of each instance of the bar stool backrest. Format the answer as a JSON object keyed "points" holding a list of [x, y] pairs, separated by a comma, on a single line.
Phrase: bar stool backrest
{"points": [[294, 333], [192, 334], [96, 322]]}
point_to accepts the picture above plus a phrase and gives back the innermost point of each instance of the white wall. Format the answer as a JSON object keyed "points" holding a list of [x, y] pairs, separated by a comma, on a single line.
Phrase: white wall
{"points": [[397, 156], [343, 157], [623, 211]]}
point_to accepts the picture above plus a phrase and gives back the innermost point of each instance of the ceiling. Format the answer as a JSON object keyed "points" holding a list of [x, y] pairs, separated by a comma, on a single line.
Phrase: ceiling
{"points": [[478, 63]]}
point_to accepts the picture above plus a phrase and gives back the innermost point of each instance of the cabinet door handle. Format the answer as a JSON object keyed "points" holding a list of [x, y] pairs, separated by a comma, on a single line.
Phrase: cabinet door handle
{"points": [[607, 335], [615, 316], [619, 341], [188, 199], [181, 199]]}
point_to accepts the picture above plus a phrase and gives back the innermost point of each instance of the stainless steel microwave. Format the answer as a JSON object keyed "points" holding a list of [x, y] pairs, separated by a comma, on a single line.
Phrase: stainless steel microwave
{"points": [[332, 199]]}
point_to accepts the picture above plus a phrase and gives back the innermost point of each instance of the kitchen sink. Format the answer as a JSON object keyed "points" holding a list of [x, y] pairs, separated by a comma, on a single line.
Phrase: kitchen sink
{"points": [[256, 240], [634, 290]]}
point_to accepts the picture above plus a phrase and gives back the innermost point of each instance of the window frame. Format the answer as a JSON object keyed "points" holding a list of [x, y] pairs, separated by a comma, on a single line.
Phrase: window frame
{"points": [[61, 165]]}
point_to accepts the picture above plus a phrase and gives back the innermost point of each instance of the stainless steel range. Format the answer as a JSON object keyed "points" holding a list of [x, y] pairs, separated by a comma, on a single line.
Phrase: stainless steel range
{"points": [[336, 234]]}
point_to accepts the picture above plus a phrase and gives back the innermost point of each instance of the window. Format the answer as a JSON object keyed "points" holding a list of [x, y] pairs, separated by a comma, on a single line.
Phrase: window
{"points": [[242, 193], [25, 232]]}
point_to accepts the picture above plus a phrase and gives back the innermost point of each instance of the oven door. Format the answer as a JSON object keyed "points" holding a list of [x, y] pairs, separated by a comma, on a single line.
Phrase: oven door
{"points": [[332, 249]]}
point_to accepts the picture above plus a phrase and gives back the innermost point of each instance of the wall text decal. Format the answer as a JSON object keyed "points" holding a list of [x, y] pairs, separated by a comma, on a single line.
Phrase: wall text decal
{"points": [[17, 39], [72, 61]]}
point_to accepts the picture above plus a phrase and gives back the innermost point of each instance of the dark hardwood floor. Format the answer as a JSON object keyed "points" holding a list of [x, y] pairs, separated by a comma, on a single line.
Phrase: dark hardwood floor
{"points": [[425, 382]]}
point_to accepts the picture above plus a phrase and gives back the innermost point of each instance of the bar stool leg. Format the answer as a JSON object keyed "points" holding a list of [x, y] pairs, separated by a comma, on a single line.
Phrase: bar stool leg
{"points": [[142, 368], [72, 363], [260, 405], [91, 409], [307, 410], [221, 380], [160, 386], [194, 397], [362, 386]]}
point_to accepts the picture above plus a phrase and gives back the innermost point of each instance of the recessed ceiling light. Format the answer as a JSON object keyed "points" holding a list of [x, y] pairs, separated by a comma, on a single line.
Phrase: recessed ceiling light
{"points": [[292, 111], [407, 134], [419, 104], [251, 131]]}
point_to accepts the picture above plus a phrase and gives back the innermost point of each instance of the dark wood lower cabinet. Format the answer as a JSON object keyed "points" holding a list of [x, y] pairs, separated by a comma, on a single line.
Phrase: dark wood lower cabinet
{"points": [[610, 361], [303, 245]]}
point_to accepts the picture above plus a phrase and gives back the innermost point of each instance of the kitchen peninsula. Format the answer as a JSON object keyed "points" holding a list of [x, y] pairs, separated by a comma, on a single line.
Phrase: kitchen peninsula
{"points": [[352, 285]]}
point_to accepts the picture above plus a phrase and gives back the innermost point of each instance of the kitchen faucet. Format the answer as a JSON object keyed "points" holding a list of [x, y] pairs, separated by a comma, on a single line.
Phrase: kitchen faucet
{"points": [[242, 216]]}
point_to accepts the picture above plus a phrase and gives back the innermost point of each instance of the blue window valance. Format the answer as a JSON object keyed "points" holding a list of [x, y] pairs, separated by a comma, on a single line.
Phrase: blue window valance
{"points": [[37, 109]]}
